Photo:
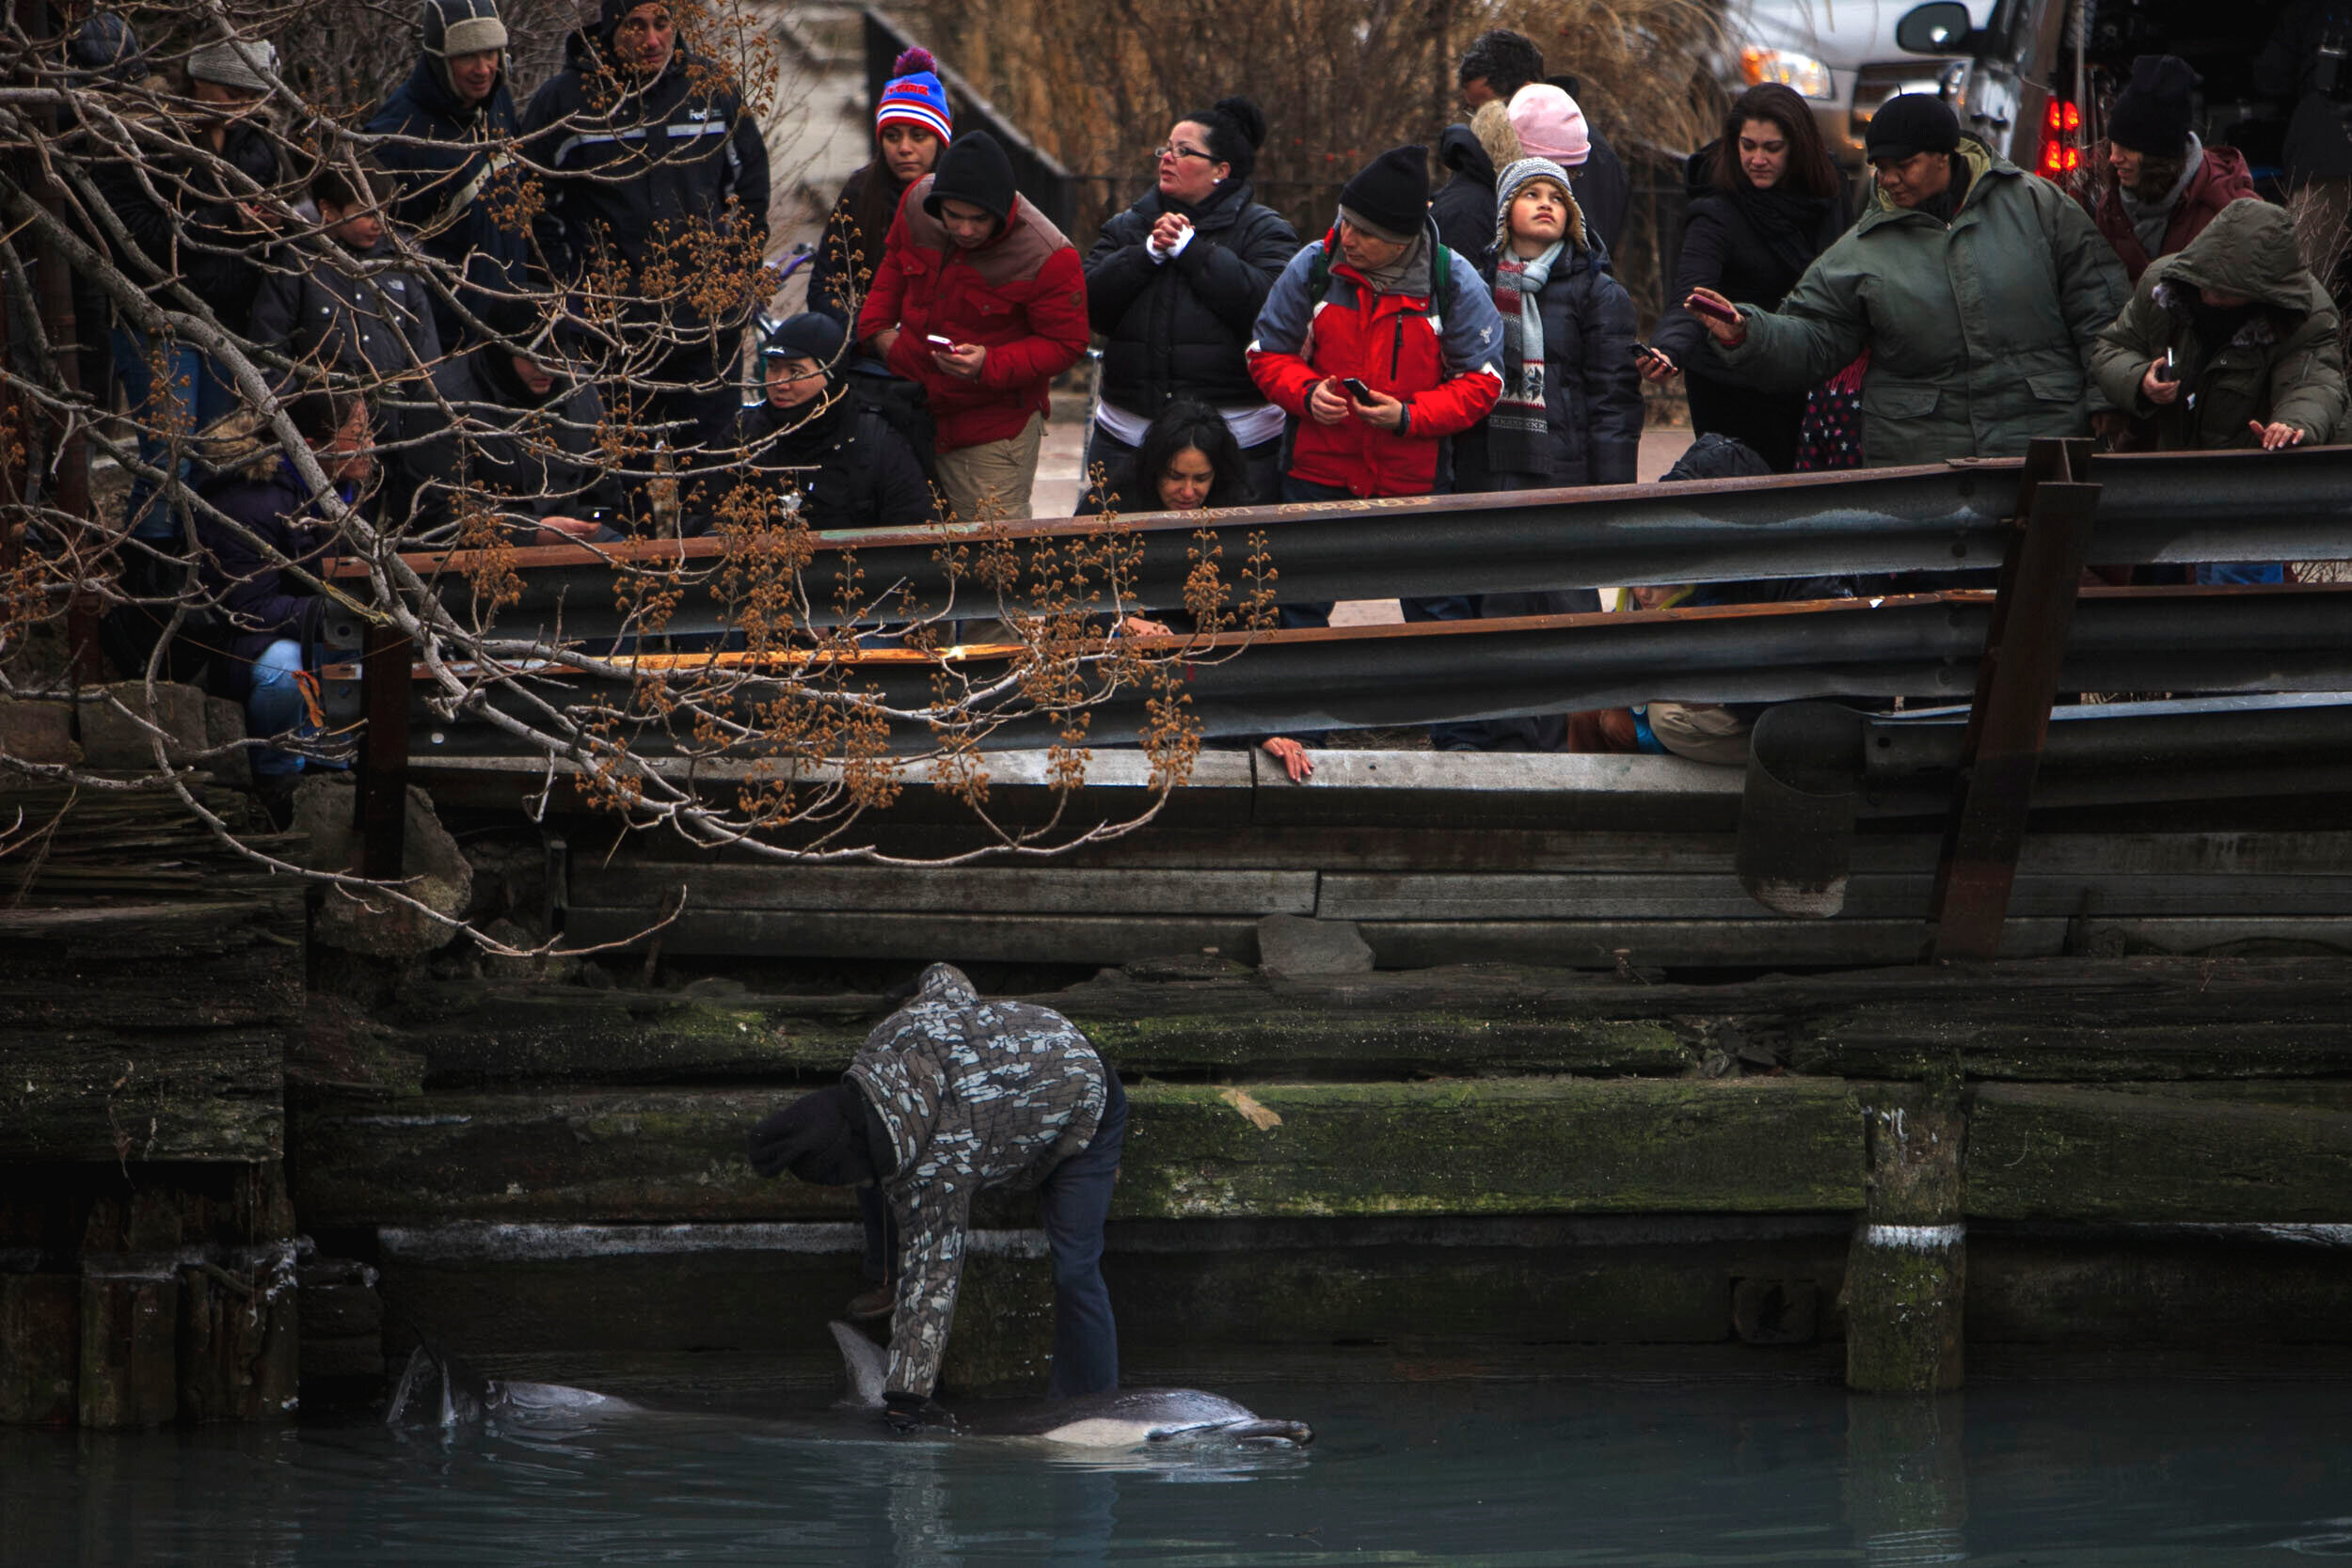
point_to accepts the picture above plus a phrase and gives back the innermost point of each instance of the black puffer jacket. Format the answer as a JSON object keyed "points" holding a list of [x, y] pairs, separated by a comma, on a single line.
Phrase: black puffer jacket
{"points": [[1592, 394], [857, 471], [1465, 204], [843, 266], [205, 242], [1181, 328], [657, 161], [449, 191]]}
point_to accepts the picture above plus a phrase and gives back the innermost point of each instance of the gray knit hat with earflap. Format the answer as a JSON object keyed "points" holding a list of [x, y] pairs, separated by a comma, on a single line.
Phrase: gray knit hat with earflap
{"points": [[1507, 187]]}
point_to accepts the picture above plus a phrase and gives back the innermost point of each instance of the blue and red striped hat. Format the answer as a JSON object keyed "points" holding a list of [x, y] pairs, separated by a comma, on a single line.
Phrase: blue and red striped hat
{"points": [[915, 96]]}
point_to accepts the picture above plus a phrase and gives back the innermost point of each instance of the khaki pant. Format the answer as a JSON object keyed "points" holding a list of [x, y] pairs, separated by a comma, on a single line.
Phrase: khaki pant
{"points": [[991, 480], [1700, 731]]}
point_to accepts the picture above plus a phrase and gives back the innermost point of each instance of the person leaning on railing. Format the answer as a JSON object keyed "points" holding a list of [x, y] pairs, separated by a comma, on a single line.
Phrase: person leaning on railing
{"points": [[1979, 289], [2233, 342]]}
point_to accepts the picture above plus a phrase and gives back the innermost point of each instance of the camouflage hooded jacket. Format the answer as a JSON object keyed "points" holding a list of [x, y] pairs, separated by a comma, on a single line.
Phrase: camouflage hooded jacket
{"points": [[973, 1093]]}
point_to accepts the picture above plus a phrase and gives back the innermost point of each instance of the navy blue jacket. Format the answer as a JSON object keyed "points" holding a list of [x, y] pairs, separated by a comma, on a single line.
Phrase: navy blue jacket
{"points": [[261, 603], [1592, 394], [451, 191]]}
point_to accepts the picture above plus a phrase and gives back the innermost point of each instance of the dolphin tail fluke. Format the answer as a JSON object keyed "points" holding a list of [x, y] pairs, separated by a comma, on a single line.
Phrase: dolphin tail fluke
{"points": [[868, 1364], [435, 1390], [1298, 1433]]}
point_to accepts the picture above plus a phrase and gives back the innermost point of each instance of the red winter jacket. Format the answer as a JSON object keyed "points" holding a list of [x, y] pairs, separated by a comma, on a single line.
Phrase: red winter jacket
{"points": [[1023, 294], [1446, 367], [2221, 179]]}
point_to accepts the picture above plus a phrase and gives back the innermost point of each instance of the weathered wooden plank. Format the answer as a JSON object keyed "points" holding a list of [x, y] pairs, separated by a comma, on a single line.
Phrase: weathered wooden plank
{"points": [[472, 1034], [1025, 890], [1529, 1145], [108, 1095], [1031, 939], [1868, 896], [205, 963], [1607, 944], [1553, 791], [40, 1347], [129, 1352], [2052, 1152]]}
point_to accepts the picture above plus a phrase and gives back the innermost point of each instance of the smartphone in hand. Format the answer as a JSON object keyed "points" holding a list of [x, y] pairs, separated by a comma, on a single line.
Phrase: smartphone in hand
{"points": [[1709, 308], [1356, 388], [1645, 351], [937, 341], [2168, 370]]}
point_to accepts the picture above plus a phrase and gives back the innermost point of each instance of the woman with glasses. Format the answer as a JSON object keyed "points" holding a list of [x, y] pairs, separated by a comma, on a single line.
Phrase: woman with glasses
{"points": [[1175, 284]]}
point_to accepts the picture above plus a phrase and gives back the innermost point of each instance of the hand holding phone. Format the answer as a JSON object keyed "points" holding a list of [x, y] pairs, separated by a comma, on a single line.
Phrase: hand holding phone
{"points": [[1356, 388], [1706, 306], [937, 341], [2167, 369]]}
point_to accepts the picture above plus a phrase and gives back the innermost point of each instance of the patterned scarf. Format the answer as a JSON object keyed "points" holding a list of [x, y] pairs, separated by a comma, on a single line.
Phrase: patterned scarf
{"points": [[1519, 432]]}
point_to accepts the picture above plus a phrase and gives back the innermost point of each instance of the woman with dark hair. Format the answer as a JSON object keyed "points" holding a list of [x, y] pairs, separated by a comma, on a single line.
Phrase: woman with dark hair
{"points": [[1175, 284], [1764, 201], [912, 127]]}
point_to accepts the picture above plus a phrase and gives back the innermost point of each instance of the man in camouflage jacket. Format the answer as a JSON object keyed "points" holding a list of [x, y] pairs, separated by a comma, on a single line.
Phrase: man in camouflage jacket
{"points": [[949, 1095]]}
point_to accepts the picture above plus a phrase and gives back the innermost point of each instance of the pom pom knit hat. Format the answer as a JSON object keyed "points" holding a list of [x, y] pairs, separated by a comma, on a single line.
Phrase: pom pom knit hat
{"points": [[915, 96]]}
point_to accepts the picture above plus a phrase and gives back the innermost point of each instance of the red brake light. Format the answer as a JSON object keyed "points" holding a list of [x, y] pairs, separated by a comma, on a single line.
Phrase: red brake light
{"points": [[2061, 122]]}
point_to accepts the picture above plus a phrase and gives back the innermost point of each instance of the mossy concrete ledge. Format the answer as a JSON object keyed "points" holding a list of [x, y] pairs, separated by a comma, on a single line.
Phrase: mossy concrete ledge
{"points": [[1523, 1146]]}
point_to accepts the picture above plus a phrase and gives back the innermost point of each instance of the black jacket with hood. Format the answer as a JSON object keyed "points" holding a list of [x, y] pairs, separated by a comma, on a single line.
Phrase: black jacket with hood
{"points": [[451, 189], [844, 466], [662, 156], [1181, 328], [1465, 204]]}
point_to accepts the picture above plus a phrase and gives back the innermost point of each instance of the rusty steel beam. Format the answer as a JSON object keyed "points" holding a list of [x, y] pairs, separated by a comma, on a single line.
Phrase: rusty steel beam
{"points": [[2017, 680]]}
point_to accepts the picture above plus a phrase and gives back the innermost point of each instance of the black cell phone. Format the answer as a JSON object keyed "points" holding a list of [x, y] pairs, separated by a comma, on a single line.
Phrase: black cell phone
{"points": [[2168, 370], [1643, 351], [1356, 388]]}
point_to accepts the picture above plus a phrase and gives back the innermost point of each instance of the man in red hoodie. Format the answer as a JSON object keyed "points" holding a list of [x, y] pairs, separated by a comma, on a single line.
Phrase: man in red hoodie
{"points": [[983, 302], [2168, 184], [1379, 301]]}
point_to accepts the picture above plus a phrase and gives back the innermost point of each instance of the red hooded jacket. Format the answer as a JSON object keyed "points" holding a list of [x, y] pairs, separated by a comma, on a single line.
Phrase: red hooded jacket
{"points": [[1023, 295], [2221, 179]]}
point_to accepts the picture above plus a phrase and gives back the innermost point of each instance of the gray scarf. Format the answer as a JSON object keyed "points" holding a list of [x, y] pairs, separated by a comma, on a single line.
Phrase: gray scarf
{"points": [[1519, 432], [2149, 219], [1410, 273]]}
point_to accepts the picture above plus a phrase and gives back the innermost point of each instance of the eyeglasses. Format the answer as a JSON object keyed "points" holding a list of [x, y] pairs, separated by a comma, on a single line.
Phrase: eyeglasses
{"points": [[1172, 151]]}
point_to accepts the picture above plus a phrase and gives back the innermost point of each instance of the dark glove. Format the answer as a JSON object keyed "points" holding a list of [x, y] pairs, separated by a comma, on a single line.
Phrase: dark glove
{"points": [[910, 1413], [819, 1137]]}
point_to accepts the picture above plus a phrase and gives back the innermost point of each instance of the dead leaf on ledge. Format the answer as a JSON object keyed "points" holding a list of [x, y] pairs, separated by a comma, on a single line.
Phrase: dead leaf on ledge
{"points": [[1259, 1118]]}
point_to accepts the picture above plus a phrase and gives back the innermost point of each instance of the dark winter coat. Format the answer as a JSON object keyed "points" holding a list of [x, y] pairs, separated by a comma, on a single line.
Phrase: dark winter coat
{"points": [[842, 268], [856, 469], [252, 483], [1464, 206], [1602, 190], [973, 1093], [2221, 177], [2284, 363], [2292, 66], [1022, 294], [1723, 249], [538, 456], [666, 157], [204, 243], [1592, 393], [353, 314], [1980, 329], [1181, 328], [452, 189]]}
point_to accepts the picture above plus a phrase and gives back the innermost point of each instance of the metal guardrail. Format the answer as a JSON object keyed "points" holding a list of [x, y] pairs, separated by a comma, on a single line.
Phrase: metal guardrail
{"points": [[2155, 508]]}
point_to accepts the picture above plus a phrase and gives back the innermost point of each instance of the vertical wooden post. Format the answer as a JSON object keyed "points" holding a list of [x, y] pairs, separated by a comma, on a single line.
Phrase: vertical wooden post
{"points": [[1906, 1480], [2010, 718], [1907, 1268], [129, 1352], [381, 806], [40, 1347]]}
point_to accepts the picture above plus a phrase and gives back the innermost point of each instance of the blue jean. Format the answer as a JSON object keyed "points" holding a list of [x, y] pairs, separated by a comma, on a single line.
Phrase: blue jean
{"points": [[190, 394], [1074, 1200], [274, 705]]}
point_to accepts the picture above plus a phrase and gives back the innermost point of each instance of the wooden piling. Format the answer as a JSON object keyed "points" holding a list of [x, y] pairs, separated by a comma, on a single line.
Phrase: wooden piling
{"points": [[1907, 1270], [40, 1345], [129, 1352]]}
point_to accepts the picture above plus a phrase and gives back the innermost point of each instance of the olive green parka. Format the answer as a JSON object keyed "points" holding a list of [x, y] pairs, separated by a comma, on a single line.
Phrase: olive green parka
{"points": [[2285, 364], [1980, 330]]}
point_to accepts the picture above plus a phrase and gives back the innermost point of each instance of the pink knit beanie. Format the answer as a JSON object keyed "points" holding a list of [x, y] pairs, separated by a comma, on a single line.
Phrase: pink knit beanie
{"points": [[1550, 125]]}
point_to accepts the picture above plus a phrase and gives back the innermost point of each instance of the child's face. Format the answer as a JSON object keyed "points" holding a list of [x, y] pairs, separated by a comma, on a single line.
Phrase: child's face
{"points": [[1540, 211]]}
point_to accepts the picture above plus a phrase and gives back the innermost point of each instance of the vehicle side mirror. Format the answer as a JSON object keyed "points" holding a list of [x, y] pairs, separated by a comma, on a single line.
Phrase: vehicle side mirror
{"points": [[1939, 27]]}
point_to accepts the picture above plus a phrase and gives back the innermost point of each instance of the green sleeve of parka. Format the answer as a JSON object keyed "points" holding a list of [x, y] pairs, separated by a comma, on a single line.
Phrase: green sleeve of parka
{"points": [[1818, 330], [2091, 285], [2121, 353], [2307, 379]]}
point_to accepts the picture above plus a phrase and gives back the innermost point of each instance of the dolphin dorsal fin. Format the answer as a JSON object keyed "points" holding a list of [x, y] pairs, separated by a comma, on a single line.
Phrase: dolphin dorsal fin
{"points": [[868, 1364]]}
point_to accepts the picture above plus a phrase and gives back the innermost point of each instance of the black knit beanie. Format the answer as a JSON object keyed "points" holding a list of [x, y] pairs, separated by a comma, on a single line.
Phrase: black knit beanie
{"points": [[806, 336], [1392, 190], [975, 170], [823, 1137], [2151, 116], [1910, 123]]}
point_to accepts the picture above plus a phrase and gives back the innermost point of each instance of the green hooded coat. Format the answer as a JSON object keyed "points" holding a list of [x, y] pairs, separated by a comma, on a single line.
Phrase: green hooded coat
{"points": [[2283, 364], [1980, 330]]}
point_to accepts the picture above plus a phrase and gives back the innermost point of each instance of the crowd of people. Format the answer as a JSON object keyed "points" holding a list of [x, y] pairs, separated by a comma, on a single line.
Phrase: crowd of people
{"points": [[458, 282]]}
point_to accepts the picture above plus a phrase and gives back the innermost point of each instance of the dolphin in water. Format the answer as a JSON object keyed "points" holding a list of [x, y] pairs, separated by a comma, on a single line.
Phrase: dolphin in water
{"points": [[1118, 1419], [437, 1389]]}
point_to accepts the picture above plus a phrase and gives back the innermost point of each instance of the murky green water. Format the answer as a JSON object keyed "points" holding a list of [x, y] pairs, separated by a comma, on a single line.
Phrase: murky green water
{"points": [[1566, 1473]]}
